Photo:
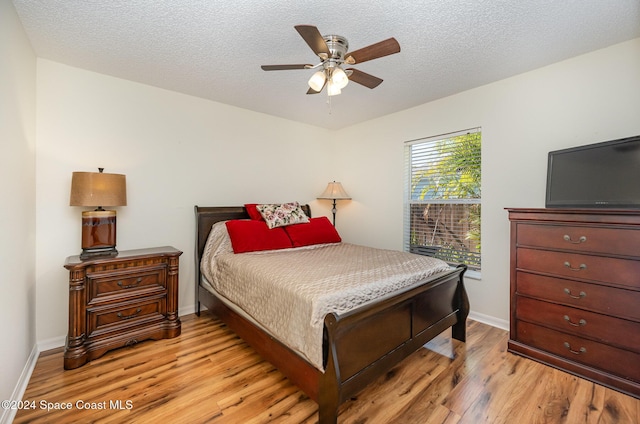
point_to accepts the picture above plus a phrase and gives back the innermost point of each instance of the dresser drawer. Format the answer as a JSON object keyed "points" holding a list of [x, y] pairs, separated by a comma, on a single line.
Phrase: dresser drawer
{"points": [[578, 266], [620, 362], [594, 297], [606, 329], [120, 284], [610, 241], [124, 316]]}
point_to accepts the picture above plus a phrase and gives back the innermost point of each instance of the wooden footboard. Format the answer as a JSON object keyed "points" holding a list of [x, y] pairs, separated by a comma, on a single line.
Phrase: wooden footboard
{"points": [[359, 346], [365, 343]]}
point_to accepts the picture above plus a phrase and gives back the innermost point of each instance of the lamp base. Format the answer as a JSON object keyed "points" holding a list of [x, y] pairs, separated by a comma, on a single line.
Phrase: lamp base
{"points": [[98, 234], [108, 252]]}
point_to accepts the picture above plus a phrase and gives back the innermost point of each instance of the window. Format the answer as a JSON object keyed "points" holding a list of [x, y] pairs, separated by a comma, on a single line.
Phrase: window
{"points": [[442, 200]]}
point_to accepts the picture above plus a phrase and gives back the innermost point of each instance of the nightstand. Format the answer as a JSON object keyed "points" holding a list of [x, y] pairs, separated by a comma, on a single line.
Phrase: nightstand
{"points": [[119, 301]]}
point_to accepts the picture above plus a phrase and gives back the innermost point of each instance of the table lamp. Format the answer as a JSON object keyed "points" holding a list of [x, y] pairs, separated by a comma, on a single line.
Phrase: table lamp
{"points": [[334, 191], [98, 189]]}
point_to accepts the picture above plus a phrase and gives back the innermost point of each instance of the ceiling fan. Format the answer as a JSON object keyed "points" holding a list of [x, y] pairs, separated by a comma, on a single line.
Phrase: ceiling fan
{"points": [[332, 50]]}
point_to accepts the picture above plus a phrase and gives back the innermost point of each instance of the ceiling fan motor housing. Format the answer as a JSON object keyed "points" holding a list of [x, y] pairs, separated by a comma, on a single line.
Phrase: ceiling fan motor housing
{"points": [[338, 46]]}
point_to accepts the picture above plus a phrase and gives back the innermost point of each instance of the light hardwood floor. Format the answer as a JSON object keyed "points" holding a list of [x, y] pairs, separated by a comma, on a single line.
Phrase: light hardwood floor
{"points": [[209, 375]]}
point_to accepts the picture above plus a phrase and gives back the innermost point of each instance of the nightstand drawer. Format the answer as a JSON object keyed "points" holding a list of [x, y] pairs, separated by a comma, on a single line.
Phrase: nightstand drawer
{"points": [[621, 303], [582, 267], [616, 361], [103, 286], [123, 316], [610, 241], [603, 328]]}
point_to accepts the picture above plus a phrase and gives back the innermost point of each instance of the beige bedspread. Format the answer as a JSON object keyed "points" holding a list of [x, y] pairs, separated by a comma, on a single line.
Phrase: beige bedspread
{"points": [[290, 291]]}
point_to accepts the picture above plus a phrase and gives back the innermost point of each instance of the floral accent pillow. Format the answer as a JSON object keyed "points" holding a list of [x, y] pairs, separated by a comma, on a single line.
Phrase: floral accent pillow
{"points": [[280, 215]]}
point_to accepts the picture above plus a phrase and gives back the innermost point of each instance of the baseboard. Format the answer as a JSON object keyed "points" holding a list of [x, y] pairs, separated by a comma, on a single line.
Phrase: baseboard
{"points": [[489, 320], [52, 343], [191, 309], [9, 414]]}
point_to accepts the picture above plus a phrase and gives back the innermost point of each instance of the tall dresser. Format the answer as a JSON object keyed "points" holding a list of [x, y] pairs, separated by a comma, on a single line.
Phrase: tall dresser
{"points": [[575, 292]]}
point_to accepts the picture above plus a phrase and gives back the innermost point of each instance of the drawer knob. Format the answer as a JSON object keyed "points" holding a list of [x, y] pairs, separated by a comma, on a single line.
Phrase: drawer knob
{"points": [[580, 268], [580, 296], [575, 352], [567, 237], [133, 315], [130, 286], [580, 323]]}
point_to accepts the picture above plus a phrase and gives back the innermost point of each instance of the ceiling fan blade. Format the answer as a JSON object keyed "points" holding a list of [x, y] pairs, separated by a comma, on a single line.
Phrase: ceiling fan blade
{"points": [[363, 78], [314, 39], [285, 67], [374, 51]]}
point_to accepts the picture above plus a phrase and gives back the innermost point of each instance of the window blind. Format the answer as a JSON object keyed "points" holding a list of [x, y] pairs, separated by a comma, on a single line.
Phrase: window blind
{"points": [[443, 198]]}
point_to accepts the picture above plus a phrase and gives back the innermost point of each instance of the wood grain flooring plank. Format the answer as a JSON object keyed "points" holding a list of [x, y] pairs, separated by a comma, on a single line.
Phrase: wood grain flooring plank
{"points": [[388, 397], [493, 385], [209, 375], [459, 360]]}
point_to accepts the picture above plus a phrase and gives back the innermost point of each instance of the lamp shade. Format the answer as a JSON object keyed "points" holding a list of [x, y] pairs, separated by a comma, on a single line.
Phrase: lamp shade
{"points": [[98, 189], [317, 80], [339, 78], [333, 90], [334, 191]]}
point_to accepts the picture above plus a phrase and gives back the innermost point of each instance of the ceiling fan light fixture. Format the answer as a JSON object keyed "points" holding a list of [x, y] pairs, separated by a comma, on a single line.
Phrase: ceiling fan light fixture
{"points": [[317, 80], [339, 78], [332, 89], [332, 51]]}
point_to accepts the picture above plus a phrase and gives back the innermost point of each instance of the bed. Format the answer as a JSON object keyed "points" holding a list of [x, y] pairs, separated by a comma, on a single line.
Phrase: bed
{"points": [[356, 346]]}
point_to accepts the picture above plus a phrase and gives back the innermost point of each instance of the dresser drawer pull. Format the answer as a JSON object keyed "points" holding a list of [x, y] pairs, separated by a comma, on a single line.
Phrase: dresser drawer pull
{"points": [[582, 239], [580, 323], [580, 268], [130, 286], [575, 352], [133, 315], [580, 296]]}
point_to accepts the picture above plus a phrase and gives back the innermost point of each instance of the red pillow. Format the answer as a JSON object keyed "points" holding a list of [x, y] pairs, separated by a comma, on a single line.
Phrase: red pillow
{"points": [[251, 236], [316, 231], [253, 212]]}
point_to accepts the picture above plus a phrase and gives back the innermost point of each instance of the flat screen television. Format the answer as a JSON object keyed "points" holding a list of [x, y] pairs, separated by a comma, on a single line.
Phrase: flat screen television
{"points": [[600, 175]]}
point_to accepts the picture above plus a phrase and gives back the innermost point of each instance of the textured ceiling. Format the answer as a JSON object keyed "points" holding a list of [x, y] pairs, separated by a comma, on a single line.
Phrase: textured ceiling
{"points": [[213, 49]]}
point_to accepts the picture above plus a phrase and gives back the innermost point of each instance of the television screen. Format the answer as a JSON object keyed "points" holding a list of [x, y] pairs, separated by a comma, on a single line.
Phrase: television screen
{"points": [[601, 175]]}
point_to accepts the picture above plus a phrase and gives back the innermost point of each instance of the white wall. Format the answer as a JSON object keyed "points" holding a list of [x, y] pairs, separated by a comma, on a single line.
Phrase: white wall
{"points": [[587, 99], [17, 191], [176, 151]]}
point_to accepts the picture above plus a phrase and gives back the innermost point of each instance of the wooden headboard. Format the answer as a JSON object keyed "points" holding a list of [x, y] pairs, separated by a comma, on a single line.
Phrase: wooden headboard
{"points": [[206, 216]]}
